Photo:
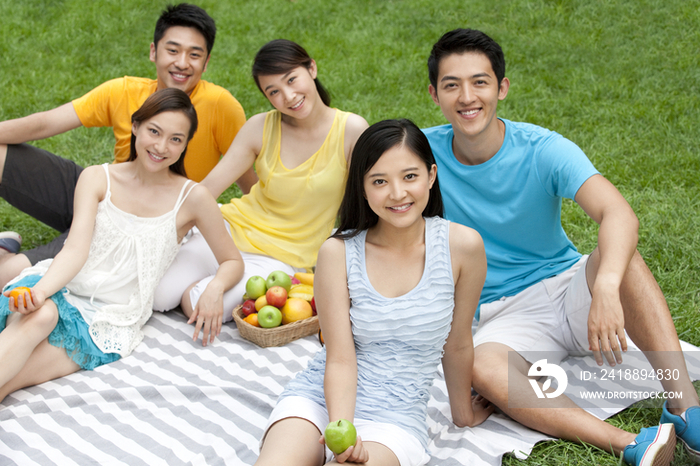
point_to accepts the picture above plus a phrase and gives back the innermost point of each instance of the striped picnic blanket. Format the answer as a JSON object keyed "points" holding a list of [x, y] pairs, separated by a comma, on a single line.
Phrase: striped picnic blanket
{"points": [[173, 402]]}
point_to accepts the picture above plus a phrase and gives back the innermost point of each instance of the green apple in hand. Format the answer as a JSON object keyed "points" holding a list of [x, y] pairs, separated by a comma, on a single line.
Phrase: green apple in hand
{"points": [[340, 435], [255, 287], [269, 316], [279, 278]]}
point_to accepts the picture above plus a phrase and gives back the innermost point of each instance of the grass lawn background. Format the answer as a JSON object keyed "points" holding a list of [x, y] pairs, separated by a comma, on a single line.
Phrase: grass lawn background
{"points": [[621, 79]]}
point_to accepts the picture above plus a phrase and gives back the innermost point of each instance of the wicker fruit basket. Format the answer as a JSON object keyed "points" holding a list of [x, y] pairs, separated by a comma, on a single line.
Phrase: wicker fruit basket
{"points": [[277, 336]]}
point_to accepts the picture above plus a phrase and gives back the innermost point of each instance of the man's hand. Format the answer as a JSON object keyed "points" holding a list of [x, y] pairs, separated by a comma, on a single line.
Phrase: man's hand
{"points": [[606, 326]]}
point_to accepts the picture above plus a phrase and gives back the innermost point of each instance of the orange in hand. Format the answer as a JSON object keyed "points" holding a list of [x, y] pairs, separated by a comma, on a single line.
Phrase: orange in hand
{"points": [[20, 290]]}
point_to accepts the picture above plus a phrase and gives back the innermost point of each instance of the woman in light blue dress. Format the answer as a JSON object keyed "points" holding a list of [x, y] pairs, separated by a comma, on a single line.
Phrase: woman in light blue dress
{"points": [[396, 289]]}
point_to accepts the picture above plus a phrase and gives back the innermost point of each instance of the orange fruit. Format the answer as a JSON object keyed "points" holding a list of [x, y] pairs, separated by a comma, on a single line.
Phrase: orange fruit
{"points": [[295, 309], [305, 278], [20, 290], [252, 319]]}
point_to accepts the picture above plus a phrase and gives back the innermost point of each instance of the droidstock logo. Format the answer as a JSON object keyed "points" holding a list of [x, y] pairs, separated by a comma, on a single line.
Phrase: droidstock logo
{"points": [[552, 371]]}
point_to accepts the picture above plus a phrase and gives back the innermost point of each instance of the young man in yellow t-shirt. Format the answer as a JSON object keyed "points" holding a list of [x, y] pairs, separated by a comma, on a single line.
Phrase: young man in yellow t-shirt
{"points": [[41, 184]]}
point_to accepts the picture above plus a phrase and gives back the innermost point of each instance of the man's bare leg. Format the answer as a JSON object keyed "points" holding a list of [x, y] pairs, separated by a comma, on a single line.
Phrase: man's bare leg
{"points": [[559, 417], [649, 324]]}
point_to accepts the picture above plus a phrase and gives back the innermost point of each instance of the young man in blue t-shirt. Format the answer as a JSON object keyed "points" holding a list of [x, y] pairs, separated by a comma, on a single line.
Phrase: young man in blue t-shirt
{"points": [[506, 180]]}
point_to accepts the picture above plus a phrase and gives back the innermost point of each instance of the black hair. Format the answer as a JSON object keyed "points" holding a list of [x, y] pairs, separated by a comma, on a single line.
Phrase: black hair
{"points": [[355, 213], [280, 56], [166, 100], [461, 41], [189, 16]]}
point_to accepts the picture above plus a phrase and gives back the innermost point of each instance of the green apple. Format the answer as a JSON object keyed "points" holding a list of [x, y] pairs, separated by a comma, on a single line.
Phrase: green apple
{"points": [[340, 435], [269, 316], [255, 287], [279, 278]]}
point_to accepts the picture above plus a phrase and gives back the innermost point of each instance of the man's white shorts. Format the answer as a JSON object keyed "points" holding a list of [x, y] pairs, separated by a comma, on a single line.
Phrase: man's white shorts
{"points": [[405, 446], [550, 316]]}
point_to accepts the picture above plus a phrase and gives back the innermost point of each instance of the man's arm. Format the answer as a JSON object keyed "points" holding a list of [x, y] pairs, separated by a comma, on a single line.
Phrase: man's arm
{"points": [[39, 125], [617, 242]]}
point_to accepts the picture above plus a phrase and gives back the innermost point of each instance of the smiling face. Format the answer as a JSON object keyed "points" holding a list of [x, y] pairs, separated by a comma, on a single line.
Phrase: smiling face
{"points": [[468, 94], [180, 58], [293, 93], [161, 140], [397, 187]]}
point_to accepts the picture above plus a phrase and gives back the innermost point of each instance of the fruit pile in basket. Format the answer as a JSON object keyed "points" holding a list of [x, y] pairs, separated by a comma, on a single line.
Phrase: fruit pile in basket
{"points": [[278, 300]]}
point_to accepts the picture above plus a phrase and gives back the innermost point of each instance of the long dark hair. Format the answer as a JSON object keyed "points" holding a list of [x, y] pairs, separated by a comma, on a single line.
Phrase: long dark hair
{"points": [[281, 56], [355, 213], [166, 100]]}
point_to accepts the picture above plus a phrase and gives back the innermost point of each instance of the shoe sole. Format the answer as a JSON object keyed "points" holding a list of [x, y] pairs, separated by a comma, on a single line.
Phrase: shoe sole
{"points": [[694, 454], [661, 452], [10, 241]]}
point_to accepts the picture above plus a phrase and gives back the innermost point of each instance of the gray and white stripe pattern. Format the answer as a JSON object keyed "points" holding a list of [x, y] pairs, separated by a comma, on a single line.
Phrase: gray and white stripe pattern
{"points": [[173, 402]]}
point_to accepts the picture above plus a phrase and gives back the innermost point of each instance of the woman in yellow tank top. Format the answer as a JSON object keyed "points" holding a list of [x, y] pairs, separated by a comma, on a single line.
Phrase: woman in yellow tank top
{"points": [[301, 152]]}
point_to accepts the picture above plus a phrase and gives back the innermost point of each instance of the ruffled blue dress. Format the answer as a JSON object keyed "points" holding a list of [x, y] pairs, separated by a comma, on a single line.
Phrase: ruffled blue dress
{"points": [[399, 341]]}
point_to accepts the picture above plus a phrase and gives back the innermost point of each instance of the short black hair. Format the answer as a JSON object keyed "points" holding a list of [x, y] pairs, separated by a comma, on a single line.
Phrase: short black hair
{"points": [[461, 41], [189, 16], [355, 213]]}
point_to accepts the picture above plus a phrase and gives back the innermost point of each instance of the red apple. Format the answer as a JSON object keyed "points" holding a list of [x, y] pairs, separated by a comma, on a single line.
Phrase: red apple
{"points": [[248, 307], [276, 296], [313, 305]]}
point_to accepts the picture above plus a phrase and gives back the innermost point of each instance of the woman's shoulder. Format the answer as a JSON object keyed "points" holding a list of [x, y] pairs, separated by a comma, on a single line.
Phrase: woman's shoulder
{"points": [[464, 240], [355, 124], [333, 247], [95, 175], [196, 193]]}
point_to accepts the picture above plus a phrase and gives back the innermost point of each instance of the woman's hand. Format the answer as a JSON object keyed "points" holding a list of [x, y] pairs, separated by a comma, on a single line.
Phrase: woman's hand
{"points": [[26, 302], [482, 409], [354, 454], [208, 314]]}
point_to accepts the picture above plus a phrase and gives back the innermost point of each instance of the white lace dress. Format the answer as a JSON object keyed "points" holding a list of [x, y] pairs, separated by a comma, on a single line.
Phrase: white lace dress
{"points": [[114, 290]]}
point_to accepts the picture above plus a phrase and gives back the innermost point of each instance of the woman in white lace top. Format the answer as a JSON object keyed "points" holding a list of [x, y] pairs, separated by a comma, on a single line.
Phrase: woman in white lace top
{"points": [[86, 307]]}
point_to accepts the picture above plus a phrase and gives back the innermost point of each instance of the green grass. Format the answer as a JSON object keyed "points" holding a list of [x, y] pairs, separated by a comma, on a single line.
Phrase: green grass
{"points": [[619, 78]]}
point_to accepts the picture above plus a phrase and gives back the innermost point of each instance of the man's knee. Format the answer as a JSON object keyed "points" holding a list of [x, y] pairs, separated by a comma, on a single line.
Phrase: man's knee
{"points": [[490, 366]]}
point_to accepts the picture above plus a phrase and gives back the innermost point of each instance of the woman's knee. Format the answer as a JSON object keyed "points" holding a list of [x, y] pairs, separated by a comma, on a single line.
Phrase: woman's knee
{"points": [[43, 320]]}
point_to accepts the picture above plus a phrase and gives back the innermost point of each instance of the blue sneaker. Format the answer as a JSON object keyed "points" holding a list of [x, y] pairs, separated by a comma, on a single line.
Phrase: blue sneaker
{"points": [[690, 436], [654, 446], [10, 241]]}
